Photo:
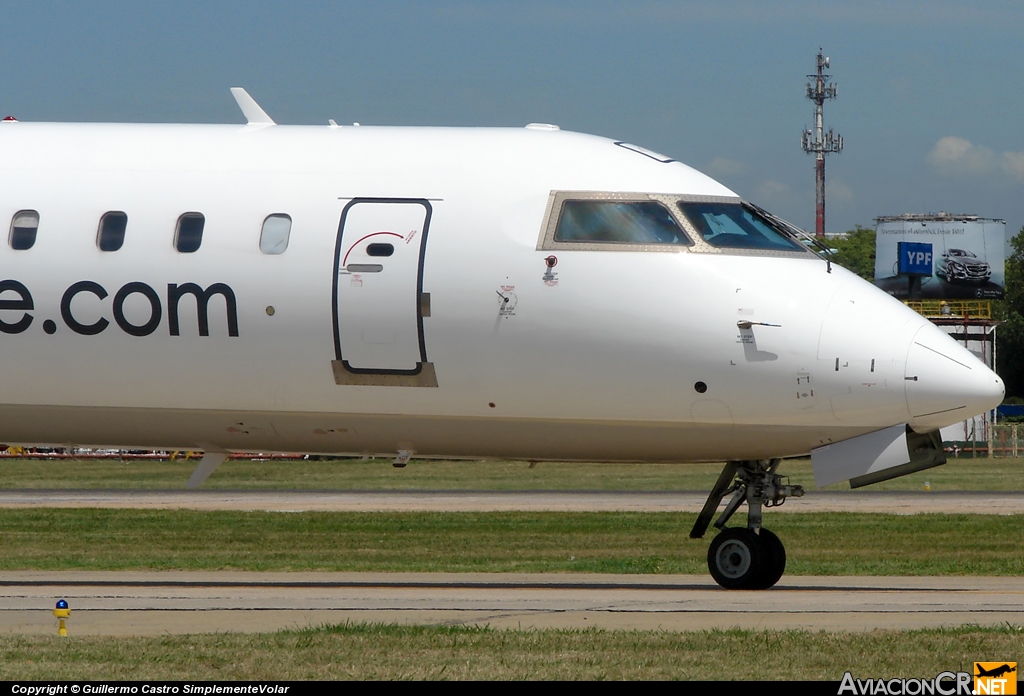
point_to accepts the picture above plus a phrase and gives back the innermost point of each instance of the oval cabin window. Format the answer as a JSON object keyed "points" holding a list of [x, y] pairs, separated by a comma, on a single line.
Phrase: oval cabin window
{"points": [[189, 234], [24, 226], [277, 228], [111, 233]]}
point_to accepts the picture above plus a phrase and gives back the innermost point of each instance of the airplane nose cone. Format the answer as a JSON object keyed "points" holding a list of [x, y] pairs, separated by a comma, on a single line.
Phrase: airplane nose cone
{"points": [[945, 383]]}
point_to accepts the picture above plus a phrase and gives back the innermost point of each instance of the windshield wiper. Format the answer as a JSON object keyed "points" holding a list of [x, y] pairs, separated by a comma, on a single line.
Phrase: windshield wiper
{"points": [[797, 234]]}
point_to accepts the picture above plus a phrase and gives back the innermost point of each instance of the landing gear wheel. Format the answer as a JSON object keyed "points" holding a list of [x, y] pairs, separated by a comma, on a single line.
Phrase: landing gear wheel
{"points": [[736, 559], [751, 558], [774, 557]]}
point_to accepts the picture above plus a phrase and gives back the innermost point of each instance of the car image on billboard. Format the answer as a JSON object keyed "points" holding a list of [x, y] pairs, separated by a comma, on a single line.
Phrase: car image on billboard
{"points": [[962, 266]]}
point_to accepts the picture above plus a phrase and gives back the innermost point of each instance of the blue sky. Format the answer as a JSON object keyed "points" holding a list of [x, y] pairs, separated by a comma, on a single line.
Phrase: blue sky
{"points": [[930, 92]]}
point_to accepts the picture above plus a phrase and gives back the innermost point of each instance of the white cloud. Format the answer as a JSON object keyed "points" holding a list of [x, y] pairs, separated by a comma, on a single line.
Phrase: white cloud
{"points": [[952, 155], [957, 156], [723, 167], [774, 195], [949, 149], [1013, 164]]}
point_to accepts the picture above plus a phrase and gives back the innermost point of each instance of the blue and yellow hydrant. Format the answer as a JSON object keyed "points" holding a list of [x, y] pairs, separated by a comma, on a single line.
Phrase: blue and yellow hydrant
{"points": [[62, 612]]}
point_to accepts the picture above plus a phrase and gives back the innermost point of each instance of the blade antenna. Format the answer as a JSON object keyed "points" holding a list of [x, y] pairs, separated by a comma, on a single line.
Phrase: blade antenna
{"points": [[252, 111]]}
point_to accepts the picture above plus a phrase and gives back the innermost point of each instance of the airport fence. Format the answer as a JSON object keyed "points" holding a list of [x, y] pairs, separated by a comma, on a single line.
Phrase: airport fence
{"points": [[1006, 440]]}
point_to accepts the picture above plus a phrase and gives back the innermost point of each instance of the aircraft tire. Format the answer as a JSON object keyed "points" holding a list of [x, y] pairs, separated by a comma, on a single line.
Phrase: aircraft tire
{"points": [[774, 557], [736, 559]]}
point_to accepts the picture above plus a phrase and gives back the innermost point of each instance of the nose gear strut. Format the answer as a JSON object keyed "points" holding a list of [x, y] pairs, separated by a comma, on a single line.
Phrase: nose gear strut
{"points": [[751, 558]]}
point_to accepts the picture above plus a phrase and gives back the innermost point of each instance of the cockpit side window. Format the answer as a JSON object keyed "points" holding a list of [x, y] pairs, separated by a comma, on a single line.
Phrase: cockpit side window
{"points": [[618, 222], [735, 226]]}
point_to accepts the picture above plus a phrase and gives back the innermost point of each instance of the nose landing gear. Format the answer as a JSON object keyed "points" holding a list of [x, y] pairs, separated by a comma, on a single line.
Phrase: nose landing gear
{"points": [[752, 558]]}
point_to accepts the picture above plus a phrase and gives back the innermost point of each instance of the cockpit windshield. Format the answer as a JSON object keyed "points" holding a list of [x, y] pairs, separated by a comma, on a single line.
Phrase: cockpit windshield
{"points": [[736, 226], [618, 222]]}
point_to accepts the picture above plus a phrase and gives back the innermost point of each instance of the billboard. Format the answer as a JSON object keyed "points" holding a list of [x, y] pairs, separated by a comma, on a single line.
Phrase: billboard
{"points": [[940, 256]]}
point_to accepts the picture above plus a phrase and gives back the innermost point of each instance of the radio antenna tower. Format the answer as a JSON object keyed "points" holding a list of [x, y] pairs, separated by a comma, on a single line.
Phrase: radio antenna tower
{"points": [[817, 141]]}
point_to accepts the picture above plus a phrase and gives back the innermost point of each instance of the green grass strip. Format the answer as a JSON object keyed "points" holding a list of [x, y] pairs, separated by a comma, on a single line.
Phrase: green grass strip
{"points": [[367, 651], [596, 542], [378, 474]]}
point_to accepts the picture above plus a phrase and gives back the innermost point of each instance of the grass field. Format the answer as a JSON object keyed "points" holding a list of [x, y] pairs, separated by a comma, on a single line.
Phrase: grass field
{"points": [[825, 544], [596, 542], [378, 474], [424, 652]]}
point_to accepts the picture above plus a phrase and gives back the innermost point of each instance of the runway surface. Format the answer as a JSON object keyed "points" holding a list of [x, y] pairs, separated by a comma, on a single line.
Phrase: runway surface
{"points": [[155, 603], [895, 502]]}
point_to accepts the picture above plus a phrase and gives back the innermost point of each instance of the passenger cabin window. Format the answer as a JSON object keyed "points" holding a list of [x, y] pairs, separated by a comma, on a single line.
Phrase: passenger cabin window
{"points": [[23, 229], [189, 234], [618, 222], [111, 234], [735, 226], [274, 236]]}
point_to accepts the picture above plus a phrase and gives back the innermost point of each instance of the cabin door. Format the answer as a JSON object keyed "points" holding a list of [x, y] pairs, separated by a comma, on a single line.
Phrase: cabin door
{"points": [[378, 293]]}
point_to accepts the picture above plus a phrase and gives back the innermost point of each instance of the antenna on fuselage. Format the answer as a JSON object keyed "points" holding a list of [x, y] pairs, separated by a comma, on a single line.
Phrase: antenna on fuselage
{"points": [[252, 111]]}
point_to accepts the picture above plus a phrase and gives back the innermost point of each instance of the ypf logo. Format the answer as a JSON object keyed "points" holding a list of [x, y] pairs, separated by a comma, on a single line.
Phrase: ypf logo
{"points": [[995, 678]]}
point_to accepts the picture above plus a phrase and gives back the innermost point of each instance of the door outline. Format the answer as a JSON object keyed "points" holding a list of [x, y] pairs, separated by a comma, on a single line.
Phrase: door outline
{"points": [[423, 374]]}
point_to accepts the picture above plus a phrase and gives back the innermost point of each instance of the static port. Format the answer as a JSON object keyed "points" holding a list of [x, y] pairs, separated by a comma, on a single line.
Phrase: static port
{"points": [[700, 387]]}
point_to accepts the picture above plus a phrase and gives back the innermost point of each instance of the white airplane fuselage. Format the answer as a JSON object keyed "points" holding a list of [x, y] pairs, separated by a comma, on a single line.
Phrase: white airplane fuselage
{"points": [[463, 342]]}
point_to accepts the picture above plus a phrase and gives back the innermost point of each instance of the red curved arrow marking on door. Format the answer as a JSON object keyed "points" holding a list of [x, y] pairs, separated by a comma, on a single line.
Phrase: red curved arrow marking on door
{"points": [[344, 261]]}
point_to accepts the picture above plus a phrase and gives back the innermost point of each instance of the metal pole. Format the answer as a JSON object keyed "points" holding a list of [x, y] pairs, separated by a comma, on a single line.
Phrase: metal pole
{"points": [[995, 416], [819, 196], [819, 163], [817, 140]]}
